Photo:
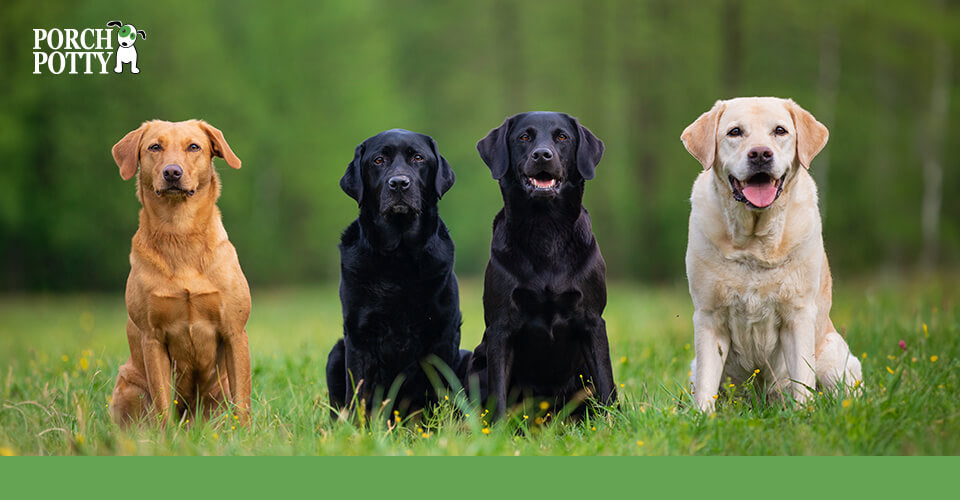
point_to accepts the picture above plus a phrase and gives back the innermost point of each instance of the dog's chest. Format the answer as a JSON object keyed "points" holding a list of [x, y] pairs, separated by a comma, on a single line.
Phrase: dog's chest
{"points": [[189, 321], [752, 314]]}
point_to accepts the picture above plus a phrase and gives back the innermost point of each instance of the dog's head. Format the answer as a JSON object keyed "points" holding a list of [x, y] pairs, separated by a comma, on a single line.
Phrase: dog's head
{"points": [[175, 158], [755, 144], [541, 153], [127, 34], [396, 174]]}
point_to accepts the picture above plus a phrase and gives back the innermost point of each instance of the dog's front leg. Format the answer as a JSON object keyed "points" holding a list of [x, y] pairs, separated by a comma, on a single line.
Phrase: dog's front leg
{"points": [[237, 353], [712, 347], [799, 345], [598, 360], [156, 361], [498, 368]]}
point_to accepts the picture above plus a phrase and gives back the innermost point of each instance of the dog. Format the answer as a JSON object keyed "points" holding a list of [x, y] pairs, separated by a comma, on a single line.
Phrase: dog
{"points": [[187, 298], [126, 53], [398, 291], [756, 265], [545, 286]]}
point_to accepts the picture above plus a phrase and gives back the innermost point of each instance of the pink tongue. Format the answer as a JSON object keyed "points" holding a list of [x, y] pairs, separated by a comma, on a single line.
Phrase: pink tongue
{"points": [[761, 195]]}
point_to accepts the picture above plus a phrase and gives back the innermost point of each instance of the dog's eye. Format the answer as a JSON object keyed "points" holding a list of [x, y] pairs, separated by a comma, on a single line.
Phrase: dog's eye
{"points": [[735, 132], [154, 147], [193, 147], [561, 137], [524, 137], [378, 160], [780, 131], [418, 158]]}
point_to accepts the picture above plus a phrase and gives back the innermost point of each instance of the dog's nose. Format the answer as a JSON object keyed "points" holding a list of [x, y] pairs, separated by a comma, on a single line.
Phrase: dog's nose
{"points": [[399, 183], [542, 154], [760, 155], [172, 173]]}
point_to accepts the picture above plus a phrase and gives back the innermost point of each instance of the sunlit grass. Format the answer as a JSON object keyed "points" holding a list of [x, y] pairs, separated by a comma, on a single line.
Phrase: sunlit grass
{"points": [[59, 356]]}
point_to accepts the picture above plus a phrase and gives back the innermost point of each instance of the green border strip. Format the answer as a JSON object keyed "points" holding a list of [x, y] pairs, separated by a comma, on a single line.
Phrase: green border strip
{"points": [[456, 478]]}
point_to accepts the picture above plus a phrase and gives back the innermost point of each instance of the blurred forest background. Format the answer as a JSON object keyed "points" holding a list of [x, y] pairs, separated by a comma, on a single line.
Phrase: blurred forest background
{"points": [[296, 85]]}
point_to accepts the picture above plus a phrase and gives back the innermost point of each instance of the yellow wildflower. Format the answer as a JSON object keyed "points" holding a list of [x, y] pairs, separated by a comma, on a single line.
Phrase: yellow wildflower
{"points": [[84, 364], [216, 436], [486, 430], [846, 403], [934, 358], [890, 370], [623, 385], [7, 452], [925, 334], [623, 360], [639, 443], [715, 396], [544, 405], [864, 355], [65, 358]]}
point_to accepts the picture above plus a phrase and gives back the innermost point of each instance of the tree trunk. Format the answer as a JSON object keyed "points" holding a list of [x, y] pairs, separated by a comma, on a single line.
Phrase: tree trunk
{"points": [[931, 149], [827, 83]]}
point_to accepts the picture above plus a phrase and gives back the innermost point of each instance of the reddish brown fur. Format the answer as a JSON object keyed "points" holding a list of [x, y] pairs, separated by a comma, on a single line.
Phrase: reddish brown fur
{"points": [[187, 298]]}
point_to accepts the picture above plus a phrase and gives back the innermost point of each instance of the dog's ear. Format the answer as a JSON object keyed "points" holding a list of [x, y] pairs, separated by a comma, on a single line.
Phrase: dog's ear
{"points": [[127, 152], [142, 34], [700, 137], [811, 135], [352, 182], [589, 150], [445, 175], [494, 150], [114, 23], [220, 146]]}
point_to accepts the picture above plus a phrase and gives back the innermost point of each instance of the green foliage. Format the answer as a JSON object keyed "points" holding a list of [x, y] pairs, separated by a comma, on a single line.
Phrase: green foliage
{"points": [[296, 86], [59, 357]]}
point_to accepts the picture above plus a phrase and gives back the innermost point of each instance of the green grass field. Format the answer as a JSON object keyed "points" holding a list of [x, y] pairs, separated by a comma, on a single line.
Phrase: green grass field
{"points": [[59, 356]]}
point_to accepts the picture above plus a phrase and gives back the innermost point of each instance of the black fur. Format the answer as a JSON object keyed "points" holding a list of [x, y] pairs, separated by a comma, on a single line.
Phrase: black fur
{"points": [[545, 287], [397, 287]]}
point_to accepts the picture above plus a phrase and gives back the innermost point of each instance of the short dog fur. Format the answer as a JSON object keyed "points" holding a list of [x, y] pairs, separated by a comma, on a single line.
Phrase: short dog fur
{"points": [[187, 298], [756, 264], [397, 286], [544, 288]]}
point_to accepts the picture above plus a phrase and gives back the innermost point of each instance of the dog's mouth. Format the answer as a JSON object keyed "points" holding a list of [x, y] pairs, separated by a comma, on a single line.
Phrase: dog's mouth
{"points": [[542, 184], [175, 191], [400, 210], [758, 191]]}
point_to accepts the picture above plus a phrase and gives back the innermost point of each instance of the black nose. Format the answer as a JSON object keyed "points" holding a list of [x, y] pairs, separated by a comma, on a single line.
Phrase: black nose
{"points": [[760, 155], [172, 173], [542, 154], [399, 183]]}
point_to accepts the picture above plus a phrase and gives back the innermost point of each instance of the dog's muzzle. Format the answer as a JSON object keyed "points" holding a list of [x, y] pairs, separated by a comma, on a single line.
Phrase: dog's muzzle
{"points": [[759, 191]]}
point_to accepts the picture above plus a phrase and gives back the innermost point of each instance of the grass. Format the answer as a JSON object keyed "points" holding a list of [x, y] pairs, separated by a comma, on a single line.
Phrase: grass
{"points": [[59, 356]]}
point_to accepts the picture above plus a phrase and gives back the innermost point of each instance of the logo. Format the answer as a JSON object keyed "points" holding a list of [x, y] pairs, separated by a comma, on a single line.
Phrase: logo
{"points": [[87, 51], [126, 53]]}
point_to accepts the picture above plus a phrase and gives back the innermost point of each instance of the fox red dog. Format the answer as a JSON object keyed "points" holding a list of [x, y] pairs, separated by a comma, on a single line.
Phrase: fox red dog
{"points": [[187, 298]]}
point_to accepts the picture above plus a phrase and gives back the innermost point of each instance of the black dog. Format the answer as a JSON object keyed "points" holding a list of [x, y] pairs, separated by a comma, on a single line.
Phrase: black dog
{"points": [[397, 287], [544, 290]]}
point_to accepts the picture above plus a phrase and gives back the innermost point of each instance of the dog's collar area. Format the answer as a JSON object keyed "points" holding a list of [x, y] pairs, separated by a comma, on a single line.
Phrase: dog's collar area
{"points": [[762, 180]]}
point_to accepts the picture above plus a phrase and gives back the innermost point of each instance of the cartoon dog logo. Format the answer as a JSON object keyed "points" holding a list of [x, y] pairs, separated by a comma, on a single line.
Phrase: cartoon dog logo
{"points": [[127, 36]]}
